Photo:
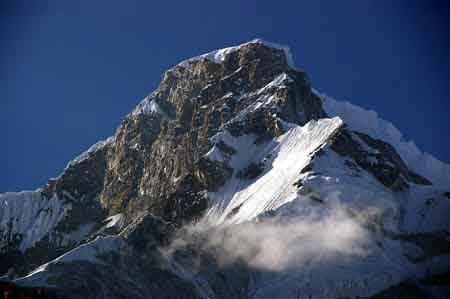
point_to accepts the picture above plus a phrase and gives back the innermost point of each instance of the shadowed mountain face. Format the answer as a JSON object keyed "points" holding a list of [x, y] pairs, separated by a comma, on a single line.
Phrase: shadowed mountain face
{"points": [[235, 179]]}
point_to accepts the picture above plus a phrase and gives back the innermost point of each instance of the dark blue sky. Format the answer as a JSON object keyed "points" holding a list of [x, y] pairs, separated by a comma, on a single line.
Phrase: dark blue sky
{"points": [[71, 70]]}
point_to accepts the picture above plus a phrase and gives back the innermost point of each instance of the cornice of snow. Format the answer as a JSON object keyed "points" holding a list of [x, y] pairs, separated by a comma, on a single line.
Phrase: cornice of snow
{"points": [[218, 56]]}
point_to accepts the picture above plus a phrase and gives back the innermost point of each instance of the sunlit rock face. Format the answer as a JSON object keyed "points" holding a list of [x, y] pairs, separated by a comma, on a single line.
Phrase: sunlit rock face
{"points": [[157, 162], [236, 179]]}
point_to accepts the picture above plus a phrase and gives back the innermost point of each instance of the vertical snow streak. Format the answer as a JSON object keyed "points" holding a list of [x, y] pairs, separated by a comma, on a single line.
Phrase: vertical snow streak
{"points": [[241, 199]]}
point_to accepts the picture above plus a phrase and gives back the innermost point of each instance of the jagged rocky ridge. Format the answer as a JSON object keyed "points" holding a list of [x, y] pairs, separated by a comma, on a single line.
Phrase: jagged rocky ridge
{"points": [[235, 145]]}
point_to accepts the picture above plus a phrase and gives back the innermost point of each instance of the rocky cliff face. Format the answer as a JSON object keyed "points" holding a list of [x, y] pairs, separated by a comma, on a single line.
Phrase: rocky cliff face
{"points": [[156, 161], [229, 139]]}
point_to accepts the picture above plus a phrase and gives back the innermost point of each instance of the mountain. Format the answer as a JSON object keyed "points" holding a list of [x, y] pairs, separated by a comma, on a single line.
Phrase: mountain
{"points": [[236, 179]]}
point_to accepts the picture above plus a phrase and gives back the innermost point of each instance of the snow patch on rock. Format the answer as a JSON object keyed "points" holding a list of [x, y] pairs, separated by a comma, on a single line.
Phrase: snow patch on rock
{"points": [[115, 220], [149, 106], [94, 148]]}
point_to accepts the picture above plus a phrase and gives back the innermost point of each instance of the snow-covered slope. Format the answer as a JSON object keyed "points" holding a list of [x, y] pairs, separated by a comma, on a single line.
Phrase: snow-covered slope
{"points": [[282, 160], [89, 252], [26, 217], [367, 121]]}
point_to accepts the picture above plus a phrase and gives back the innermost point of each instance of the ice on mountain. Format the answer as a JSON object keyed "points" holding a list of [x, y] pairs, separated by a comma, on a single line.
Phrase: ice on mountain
{"points": [[89, 252], [116, 220], [367, 121], [279, 81], [148, 106], [241, 200], [30, 215]]}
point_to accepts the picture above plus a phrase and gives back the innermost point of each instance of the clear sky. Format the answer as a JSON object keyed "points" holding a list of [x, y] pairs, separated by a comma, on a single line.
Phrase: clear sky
{"points": [[71, 70]]}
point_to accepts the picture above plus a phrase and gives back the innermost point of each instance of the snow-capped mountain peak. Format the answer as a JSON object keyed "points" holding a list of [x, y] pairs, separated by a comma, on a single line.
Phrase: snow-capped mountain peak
{"points": [[236, 179]]}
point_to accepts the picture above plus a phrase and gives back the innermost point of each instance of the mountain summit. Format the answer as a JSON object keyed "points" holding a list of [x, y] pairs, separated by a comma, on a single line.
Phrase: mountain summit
{"points": [[236, 179]]}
